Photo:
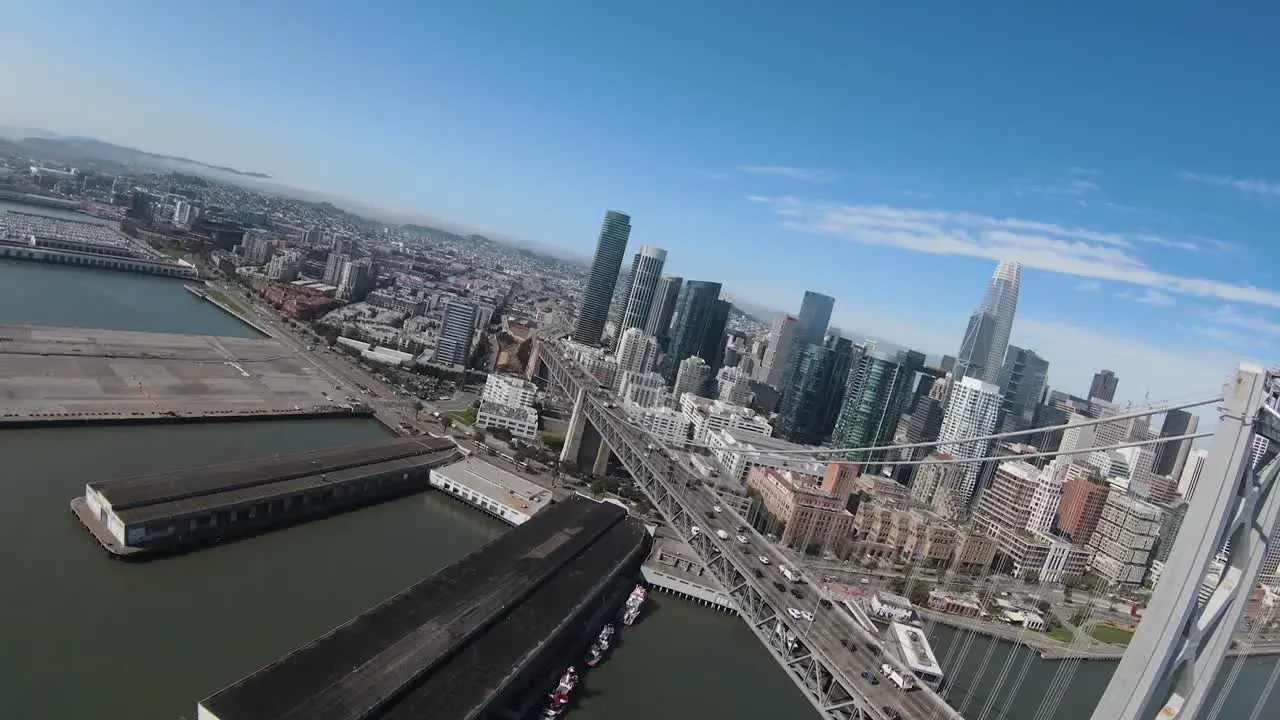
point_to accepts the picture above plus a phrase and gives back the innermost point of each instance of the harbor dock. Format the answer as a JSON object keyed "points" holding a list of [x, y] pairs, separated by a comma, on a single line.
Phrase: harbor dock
{"points": [[58, 376], [174, 511], [482, 638]]}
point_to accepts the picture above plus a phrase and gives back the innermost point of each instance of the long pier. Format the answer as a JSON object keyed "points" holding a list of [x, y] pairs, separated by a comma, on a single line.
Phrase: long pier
{"points": [[60, 376], [484, 637], [174, 511]]}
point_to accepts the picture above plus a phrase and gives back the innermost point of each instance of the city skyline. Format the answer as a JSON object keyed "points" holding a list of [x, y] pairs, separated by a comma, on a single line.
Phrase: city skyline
{"points": [[860, 211]]}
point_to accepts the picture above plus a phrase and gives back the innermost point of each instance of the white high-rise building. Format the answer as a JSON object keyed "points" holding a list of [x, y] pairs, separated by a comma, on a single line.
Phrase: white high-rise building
{"points": [[637, 352], [285, 267], [645, 272], [971, 412], [1126, 534], [508, 390], [691, 377], [1191, 472], [1046, 497], [733, 385], [986, 339], [777, 357], [647, 390]]}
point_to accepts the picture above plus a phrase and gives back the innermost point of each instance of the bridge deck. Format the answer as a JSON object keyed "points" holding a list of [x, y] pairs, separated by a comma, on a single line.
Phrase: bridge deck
{"points": [[382, 653]]}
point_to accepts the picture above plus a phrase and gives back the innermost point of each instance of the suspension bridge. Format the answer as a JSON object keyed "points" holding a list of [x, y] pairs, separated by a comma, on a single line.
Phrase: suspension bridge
{"points": [[1173, 658]]}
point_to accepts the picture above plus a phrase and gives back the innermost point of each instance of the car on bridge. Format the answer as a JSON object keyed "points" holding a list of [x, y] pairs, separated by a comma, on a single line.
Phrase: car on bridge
{"points": [[870, 677], [763, 560]]}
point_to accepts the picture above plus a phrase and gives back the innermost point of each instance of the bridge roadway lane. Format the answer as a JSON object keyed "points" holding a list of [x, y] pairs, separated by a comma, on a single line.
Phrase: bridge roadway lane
{"points": [[831, 627]]}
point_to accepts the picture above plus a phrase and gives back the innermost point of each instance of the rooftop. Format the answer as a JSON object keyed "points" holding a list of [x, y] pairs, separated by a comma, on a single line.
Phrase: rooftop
{"points": [[379, 661], [141, 490], [915, 649], [513, 412], [497, 484]]}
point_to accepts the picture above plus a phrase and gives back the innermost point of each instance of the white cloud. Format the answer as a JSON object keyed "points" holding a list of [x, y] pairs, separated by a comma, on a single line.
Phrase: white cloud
{"points": [[790, 173], [1248, 186], [1156, 298], [1228, 316], [1088, 286], [1043, 246], [1079, 170]]}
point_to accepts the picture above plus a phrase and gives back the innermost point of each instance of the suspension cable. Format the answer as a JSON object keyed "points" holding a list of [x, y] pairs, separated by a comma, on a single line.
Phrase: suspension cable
{"points": [[1147, 412]]}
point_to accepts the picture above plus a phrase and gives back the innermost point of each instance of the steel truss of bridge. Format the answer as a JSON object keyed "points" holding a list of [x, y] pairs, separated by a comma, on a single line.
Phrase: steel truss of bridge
{"points": [[814, 654]]}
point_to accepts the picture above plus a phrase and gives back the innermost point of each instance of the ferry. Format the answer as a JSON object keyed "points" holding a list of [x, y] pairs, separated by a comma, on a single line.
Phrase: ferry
{"points": [[558, 700], [631, 609], [601, 646]]}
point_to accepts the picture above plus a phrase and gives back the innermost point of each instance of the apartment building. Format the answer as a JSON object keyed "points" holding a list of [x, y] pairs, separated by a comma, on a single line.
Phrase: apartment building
{"points": [[1124, 539], [813, 516]]}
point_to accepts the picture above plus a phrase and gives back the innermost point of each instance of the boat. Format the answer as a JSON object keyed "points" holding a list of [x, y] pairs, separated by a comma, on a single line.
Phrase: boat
{"points": [[601, 646], [631, 609], [558, 700]]}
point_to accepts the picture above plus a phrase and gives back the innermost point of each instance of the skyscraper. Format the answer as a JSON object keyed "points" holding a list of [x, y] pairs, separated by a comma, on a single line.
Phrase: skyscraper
{"points": [[713, 337], [1191, 472], [972, 411], [843, 357], [782, 344], [664, 306], [986, 338], [1104, 386], [695, 315], [457, 329], [610, 248], [800, 412], [636, 351], [875, 396], [815, 316], [1022, 381], [645, 271], [1172, 456]]}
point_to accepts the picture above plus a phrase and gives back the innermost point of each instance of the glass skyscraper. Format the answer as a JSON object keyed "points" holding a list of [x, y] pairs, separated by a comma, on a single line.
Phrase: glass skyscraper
{"points": [[815, 316], [1023, 381], [986, 339], [695, 314], [877, 393], [594, 309]]}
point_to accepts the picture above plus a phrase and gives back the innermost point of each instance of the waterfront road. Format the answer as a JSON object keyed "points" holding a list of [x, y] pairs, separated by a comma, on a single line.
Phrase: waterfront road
{"points": [[832, 630], [347, 376]]}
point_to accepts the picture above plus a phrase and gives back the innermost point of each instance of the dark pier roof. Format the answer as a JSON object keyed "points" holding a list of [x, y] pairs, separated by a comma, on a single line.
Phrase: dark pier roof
{"points": [[127, 493], [366, 667], [463, 687]]}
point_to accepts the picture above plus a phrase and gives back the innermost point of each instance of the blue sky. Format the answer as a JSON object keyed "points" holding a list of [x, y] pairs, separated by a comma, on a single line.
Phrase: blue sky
{"points": [[880, 152]]}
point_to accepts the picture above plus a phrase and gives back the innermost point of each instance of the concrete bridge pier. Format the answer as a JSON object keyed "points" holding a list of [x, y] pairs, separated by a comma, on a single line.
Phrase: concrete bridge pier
{"points": [[601, 464], [573, 438]]}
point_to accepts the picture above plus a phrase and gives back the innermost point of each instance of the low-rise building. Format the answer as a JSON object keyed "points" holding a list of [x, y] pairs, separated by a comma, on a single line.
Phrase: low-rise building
{"points": [[709, 416], [491, 489], [737, 451], [519, 421], [891, 607], [965, 605], [812, 517], [669, 426]]}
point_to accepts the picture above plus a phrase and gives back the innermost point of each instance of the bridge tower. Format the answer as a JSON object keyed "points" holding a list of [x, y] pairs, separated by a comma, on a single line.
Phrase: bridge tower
{"points": [[1169, 668]]}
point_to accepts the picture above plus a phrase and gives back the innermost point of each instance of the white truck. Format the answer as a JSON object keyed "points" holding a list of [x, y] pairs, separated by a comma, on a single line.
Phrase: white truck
{"points": [[722, 535], [902, 680], [789, 574]]}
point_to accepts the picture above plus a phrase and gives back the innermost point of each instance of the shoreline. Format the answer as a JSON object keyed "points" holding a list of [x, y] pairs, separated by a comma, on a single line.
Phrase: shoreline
{"points": [[1049, 649], [206, 296]]}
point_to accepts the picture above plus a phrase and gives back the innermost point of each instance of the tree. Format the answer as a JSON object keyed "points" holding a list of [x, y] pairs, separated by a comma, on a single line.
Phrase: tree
{"points": [[445, 421], [417, 408]]}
